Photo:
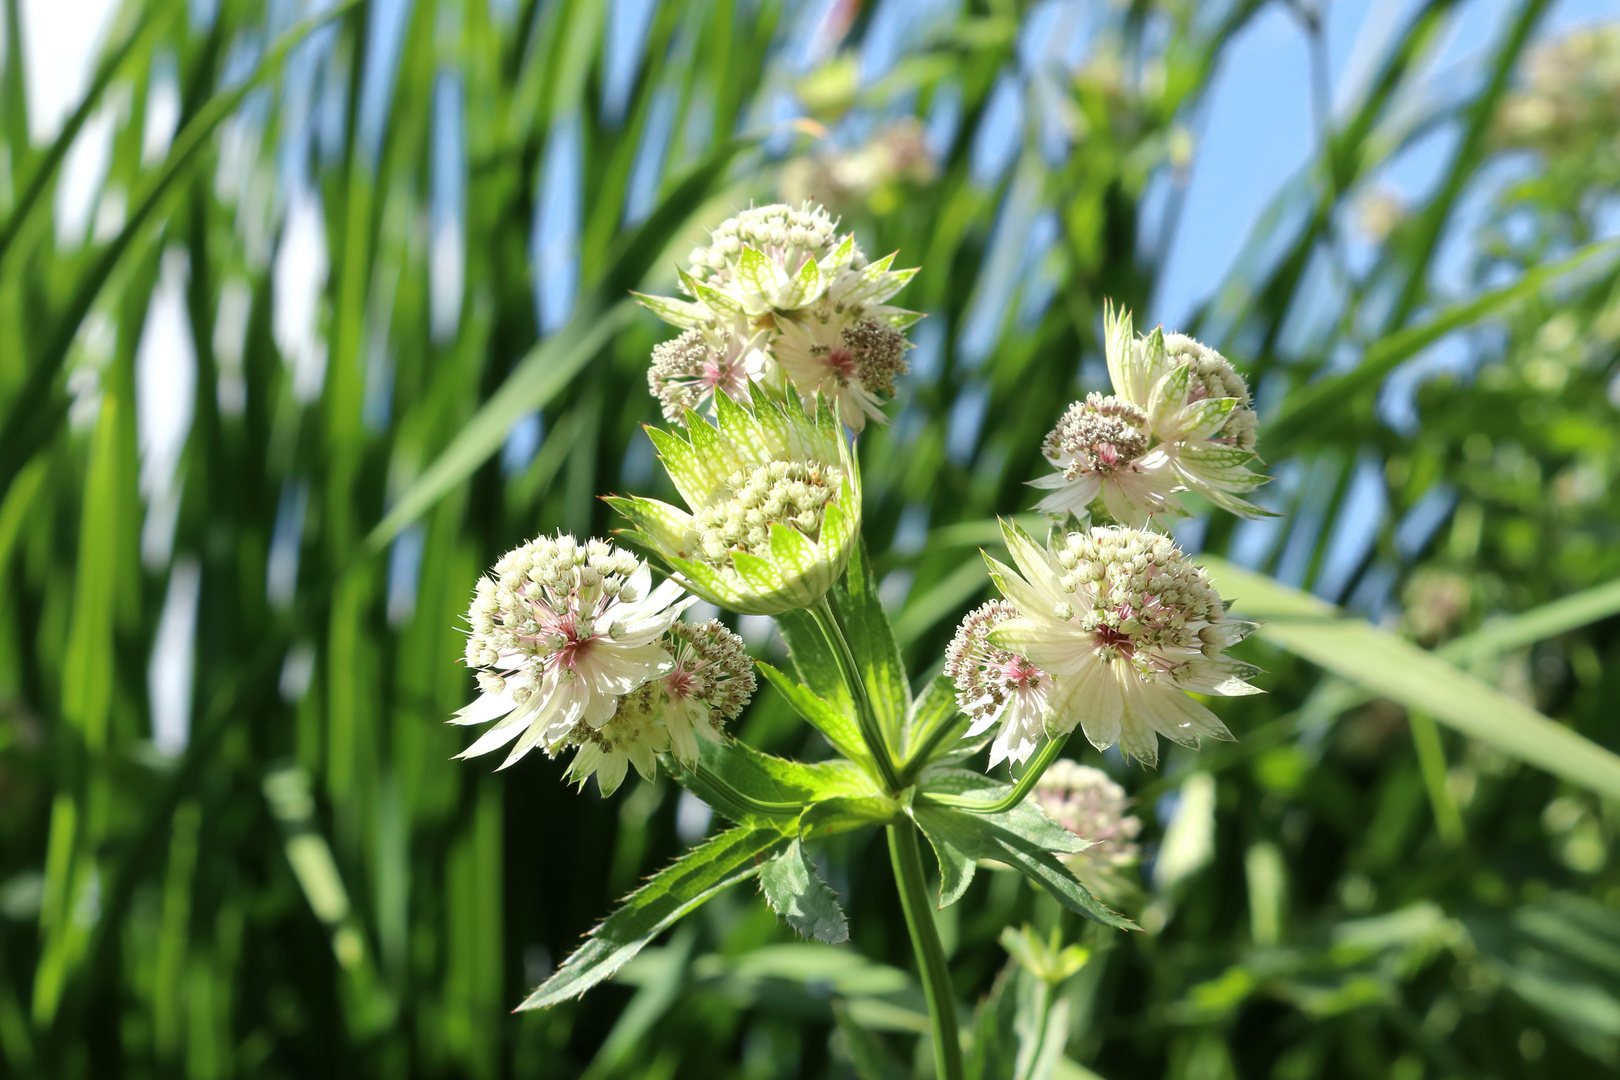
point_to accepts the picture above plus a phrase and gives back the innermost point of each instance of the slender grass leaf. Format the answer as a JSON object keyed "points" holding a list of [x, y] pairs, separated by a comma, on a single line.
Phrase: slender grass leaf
{"points": [[867, 1054], [796, 892], [1393, 668], [677, 890]]}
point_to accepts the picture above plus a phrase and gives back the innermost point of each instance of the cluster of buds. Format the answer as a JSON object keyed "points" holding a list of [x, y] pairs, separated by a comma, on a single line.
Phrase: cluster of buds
{"points": [[781, 304], [573, 647], [1179, 419]]}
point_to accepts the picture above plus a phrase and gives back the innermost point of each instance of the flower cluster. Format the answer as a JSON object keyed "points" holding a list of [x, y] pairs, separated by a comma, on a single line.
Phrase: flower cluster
{"points": [[993, 684], [1124, 623], [574, 647], [781, 304], [1089, 804], [1180, 419]]}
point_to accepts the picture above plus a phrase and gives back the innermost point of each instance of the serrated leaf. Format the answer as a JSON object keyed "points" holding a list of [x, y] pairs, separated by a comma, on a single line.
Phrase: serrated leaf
{"points": [[999, 837], [796, 892], [677, 890], [838, 725]]}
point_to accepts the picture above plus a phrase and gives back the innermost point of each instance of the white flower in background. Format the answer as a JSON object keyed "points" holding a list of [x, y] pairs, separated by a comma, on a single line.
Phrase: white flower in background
{"points": [[994, 684], [560, 632], [1100, 449], [1126, 625], [711, 682], [1088, 803], [775, 506], [687, 371], [849, 358], [1196, 406]]}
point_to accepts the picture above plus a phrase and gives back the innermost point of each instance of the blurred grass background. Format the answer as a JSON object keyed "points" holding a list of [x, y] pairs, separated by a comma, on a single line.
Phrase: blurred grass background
{"points": [[308, 311]]}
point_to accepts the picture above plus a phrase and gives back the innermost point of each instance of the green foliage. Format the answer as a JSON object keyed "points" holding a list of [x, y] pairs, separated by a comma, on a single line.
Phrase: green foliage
{"points": [[307, 885]]}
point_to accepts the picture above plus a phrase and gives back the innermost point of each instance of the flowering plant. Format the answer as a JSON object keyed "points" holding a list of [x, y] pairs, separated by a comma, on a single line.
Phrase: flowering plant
{"points": [[789, 346]]}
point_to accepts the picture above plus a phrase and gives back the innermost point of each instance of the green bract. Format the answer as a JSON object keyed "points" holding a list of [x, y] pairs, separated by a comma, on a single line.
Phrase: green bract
{"points": [[775, 502]]}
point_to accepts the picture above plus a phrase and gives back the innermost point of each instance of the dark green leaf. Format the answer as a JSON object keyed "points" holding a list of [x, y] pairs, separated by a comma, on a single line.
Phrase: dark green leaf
{"points": [[725, 860], [796, 892]]}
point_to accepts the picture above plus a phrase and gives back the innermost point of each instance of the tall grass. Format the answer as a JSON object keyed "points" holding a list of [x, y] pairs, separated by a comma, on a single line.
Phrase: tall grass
{"points": [[348, 316]]}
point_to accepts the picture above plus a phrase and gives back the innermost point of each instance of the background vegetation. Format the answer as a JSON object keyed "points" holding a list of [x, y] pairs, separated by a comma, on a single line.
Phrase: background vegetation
{"points": [[343, 318]]}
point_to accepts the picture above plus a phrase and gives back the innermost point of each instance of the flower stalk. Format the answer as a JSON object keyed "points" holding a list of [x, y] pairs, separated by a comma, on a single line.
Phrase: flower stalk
{"points": [[905, 854], [821, 611]]}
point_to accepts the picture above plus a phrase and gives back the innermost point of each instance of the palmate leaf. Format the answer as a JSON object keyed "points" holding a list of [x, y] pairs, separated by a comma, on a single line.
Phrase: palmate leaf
{"points": [[686, 883], [1394, 668], [796, 892], [1022, 838]]}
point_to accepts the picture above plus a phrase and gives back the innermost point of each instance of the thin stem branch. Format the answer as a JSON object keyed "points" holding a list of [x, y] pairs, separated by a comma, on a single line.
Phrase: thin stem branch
{"points": [[1032, 775], [906, 855], [822, 612], [923, 753]]}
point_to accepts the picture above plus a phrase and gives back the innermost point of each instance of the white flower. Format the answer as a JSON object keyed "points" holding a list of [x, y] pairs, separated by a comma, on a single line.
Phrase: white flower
{"points": [[1089, 804], [1100, 448], [560, 632], [995, 684], [1195, 405], [711, 682], [687, 371], [633, 736], [845, 356], [1126, 625]]}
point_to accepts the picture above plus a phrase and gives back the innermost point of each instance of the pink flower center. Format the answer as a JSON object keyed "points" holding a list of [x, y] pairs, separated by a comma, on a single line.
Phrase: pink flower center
{"points": [[1020, 672], [1112, 643], [679, 683], [842, 361]]}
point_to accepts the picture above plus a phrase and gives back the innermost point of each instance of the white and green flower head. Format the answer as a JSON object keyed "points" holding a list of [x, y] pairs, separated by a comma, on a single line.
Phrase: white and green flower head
{"points": [[1102, 448], [709, 682], [560, 632], [844, 355], [775, 505], [1196, 407], [1126, 625], [1088, 803]]}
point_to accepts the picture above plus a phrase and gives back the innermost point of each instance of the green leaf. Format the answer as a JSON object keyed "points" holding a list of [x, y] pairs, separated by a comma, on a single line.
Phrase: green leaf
{"points": [[693, 878], [866, 1053], [1007, 838], [848, 812], [748, 785], [872, 640], [1549, 620], [838, 725], [796, 892], [1311, 410], [1391, 667], [934, 723], [814, 662]]}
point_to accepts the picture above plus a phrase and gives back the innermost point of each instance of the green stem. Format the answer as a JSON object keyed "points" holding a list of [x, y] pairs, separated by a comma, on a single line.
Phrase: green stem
{"points": [[822, 612], [1031, 777], [906, 855]]}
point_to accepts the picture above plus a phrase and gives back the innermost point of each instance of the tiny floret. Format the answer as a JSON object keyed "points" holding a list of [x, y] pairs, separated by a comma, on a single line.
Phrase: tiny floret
{"points": [[709, 684]]}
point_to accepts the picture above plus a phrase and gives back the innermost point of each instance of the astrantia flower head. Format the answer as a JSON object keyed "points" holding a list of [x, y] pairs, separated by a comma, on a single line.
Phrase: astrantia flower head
{"points": [[1197, 409], [775, 506], [1089, 804], [560, 632], [845, 356], [710, 682], [687, 371], [994, 684], [1101, 449], [1125, 624], [771, 258]]}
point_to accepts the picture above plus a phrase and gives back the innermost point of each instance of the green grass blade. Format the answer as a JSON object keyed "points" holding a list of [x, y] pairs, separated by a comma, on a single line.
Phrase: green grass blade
{"points": [[1391, 667]]}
